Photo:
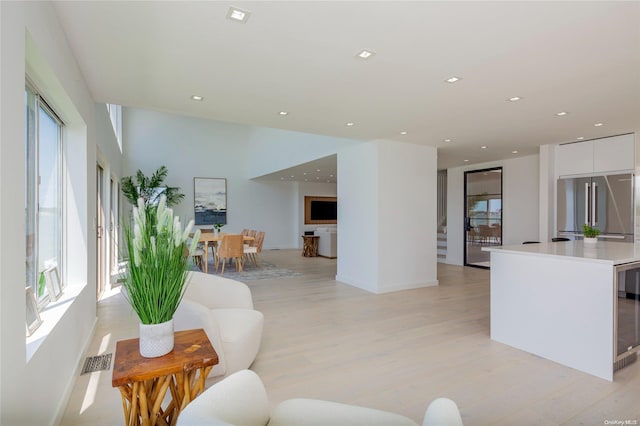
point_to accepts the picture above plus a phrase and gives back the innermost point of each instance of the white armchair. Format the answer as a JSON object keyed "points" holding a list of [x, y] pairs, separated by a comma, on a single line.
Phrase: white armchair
{"points": [[224, 309], [241, 400]]}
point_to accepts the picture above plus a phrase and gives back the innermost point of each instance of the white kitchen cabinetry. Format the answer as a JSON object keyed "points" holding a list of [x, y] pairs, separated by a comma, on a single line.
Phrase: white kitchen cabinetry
{"points": [[604, 155], [575, 158], [614, 153]]}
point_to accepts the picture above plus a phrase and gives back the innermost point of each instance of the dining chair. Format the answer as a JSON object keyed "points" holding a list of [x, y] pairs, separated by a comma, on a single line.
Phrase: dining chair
{"points": [[252, 233], [212, 244], [198, 257], [245, 232], [252, 250], [231, 247]]}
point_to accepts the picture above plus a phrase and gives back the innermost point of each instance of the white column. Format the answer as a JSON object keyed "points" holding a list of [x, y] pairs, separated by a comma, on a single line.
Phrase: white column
{"points": [[387, 216]]}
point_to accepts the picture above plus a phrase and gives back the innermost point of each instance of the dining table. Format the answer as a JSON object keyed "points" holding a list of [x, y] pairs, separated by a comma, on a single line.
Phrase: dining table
{"points": [[212, 237]]}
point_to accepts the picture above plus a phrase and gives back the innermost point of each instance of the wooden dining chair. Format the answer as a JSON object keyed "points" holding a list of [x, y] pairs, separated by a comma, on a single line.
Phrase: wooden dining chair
{"points": [[252, 233], [212, 244], [231, 247], [252, 250], [245, 232]]}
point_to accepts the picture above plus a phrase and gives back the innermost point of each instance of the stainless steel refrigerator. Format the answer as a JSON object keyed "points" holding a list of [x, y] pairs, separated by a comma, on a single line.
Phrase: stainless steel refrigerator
{"points": [[604, 202]]}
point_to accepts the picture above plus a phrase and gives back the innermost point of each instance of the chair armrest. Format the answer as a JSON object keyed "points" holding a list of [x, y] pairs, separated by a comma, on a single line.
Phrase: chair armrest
{"points": [[442, 412], [239, 399], [190, 315], [217, 292]]}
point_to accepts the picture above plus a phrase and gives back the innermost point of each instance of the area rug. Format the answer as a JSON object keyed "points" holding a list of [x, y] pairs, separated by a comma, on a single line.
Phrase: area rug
{"points": [[251, 272]]}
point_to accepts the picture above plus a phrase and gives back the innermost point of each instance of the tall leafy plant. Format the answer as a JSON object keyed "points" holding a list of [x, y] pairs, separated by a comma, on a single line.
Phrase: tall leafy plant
{"points": [[150, 189], [159, 253]]}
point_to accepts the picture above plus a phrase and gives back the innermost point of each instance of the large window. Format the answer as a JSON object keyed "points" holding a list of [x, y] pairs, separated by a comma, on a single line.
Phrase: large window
{"points": [[43, 209]]}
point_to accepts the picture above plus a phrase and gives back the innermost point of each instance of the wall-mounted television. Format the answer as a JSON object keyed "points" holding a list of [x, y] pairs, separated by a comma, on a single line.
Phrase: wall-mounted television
{"points": [[320, 210]]}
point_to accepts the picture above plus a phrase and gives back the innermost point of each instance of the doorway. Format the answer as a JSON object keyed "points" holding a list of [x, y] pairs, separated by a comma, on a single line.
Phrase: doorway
{"points": [[100, 240], [483, 215]]}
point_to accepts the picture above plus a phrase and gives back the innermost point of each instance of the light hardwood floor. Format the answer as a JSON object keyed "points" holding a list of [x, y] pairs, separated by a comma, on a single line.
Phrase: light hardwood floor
{"points": [[397, 352]]}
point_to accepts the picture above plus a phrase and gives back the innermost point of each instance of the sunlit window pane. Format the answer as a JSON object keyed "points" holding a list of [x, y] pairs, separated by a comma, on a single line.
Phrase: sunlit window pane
{"points": [[43, 192], [48, 192]]}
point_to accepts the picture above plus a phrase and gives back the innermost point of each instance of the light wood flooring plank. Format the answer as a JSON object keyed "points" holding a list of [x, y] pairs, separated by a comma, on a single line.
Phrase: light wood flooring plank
{"points": [[397, 352]]}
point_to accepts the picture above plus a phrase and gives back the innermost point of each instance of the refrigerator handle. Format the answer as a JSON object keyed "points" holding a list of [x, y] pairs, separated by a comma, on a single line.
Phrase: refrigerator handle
{"points": [[594, 204], [587, 203]]}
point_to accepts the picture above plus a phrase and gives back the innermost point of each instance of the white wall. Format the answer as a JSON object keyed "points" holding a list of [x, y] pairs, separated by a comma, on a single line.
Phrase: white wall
{"points": [[35, 391], [273, 149], [387, 216], [358, 232], [408, 216], [520, 203], [194, 147]]}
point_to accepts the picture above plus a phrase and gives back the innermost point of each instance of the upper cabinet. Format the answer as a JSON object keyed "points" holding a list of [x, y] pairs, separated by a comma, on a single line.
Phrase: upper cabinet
{"points": [[604, 155]]}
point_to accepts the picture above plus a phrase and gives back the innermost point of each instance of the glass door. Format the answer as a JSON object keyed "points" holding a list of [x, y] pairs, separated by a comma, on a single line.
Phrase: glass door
{"points": [[483, 214]]}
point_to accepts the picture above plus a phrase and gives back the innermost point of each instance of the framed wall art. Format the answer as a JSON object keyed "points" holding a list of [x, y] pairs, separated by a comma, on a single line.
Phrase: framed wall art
{"points": [[53, 283], [33, 320], [210, 200]]}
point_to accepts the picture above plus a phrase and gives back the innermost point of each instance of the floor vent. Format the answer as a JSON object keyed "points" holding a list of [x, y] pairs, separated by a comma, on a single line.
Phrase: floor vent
{"points": [[96, 363], [625, 361]]}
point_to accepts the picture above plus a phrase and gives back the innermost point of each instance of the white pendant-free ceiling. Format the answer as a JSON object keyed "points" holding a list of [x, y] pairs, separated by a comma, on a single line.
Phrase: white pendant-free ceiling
{"points": [[582, 58]]}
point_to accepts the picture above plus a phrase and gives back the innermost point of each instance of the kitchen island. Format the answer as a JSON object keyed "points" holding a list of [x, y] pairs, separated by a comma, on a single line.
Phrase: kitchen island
{"points": [[558, 300]]}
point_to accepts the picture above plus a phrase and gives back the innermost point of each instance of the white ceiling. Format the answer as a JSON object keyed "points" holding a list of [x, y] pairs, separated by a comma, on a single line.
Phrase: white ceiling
{"points": [[299, 57]]}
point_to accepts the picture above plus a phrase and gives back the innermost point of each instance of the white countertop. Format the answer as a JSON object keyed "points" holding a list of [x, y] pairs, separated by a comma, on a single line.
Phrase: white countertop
{"points": [[600, 252]]}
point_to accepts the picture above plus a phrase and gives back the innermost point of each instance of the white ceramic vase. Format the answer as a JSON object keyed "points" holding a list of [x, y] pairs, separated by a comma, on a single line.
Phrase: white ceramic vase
{"points": [[156, 339], [590, 240]]}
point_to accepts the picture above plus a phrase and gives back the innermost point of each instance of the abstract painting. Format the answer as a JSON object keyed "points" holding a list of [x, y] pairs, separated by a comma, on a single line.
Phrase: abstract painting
{"points": [[210, 200]]}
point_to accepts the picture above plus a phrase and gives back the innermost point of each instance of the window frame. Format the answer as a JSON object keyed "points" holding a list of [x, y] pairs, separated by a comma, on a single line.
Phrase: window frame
{"points": [[35, 104]]}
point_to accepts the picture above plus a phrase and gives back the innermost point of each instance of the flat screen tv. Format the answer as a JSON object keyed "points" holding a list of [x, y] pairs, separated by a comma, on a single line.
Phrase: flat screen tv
{"points": [[320, 210]]}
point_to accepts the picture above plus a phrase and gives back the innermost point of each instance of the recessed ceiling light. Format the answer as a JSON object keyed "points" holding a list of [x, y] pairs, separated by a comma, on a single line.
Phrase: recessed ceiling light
{"points": [[328, 180], [306, 180], [292, 176], [317, 170], [514, 152], [466, 161], [330, 175], [197, 98], [447, 140], [281, 178], [580, 138], [515, 98], [483, 147], [403, 132], [305, 173], [238, 15], [317, 177], [350, 124], [453, 79], [598, 124], [283, 113], [365, 54], [561, 113]]}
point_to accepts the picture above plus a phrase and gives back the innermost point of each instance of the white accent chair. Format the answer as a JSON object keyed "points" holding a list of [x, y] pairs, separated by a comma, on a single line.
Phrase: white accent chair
{"points": [[224, 309], [328, 242], [241, 400]]}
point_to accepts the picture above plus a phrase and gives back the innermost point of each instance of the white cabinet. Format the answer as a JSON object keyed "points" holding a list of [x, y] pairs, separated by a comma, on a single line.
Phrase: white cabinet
{"points": [[604, 155], [614, 153], [575, 158]]}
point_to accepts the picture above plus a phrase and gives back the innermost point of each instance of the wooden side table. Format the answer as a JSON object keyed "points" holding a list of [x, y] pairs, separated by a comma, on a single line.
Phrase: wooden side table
{"points": [[143, 382], [310, 245]]}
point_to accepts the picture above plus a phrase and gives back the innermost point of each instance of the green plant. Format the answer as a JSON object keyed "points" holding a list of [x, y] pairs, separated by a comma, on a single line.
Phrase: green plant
{"points": [[590, 232], [159, 254], [150, 188], [218, 226]]}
